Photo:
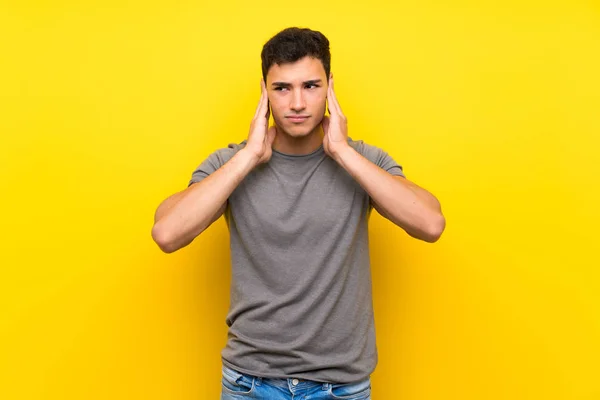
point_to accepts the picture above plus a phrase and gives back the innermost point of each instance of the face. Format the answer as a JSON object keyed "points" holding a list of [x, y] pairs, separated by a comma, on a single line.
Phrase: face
{"points": [[297, 94]]}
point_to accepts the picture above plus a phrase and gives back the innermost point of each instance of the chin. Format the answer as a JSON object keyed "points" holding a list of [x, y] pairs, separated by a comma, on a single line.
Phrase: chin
{"points": [[298, 131]]}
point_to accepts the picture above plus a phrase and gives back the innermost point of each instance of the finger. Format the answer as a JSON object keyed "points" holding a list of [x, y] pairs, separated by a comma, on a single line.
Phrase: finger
{"points": [[262, 95], [267, 112], [262, 107], [331, 103], [332, 99], [268, 109]]}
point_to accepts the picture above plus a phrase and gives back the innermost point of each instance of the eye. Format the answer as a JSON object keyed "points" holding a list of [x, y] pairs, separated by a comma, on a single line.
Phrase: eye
{"points": [[280, 88], [312, 86]]}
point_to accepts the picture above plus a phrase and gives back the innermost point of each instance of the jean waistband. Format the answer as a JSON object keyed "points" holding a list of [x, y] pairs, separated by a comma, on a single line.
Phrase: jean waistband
{"points": [[296, 383]]}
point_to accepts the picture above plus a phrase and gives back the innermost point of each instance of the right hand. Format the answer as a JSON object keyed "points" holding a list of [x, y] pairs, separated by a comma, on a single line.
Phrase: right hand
{"points": [[260, 139]]}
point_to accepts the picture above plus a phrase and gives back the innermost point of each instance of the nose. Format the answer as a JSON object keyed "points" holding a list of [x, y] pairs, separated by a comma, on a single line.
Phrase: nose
{"points": [[297, 103]]}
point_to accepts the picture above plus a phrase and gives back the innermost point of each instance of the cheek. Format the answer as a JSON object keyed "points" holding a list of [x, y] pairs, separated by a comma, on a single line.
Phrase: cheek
{"points": [[278, 110], [318, 102], [277, 107]]}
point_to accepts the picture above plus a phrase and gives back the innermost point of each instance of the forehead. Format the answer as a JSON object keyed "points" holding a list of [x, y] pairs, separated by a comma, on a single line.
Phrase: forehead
{"points": [[304, 69]]}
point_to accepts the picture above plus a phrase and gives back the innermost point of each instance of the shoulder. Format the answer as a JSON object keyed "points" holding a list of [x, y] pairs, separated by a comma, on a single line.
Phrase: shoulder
{"points": [[369, 151], [215, 160], [377, 156], [224, 154]]}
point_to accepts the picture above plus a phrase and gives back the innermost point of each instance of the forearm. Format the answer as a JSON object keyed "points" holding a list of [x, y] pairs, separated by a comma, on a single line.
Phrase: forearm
{"points": [[410, 207], [184, 216]]}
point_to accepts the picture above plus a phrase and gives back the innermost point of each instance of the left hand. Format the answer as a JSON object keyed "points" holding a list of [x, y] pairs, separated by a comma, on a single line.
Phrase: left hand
{"points": [[335, 127]]}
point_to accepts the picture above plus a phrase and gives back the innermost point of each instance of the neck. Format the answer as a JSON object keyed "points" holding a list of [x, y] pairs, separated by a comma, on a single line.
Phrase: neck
{"points": [[288, 144]]}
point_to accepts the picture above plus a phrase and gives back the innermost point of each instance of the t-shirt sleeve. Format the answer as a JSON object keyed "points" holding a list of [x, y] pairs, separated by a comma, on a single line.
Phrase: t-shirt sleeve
{"points": [[215, 161], [379, 157]]}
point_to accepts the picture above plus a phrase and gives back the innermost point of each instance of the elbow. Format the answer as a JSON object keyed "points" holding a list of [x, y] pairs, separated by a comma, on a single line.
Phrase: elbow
{"points": [[435, 228], [163, 239]]}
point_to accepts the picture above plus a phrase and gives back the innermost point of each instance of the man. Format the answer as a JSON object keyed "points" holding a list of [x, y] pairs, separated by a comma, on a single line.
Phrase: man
{"points": [[297, 197]]}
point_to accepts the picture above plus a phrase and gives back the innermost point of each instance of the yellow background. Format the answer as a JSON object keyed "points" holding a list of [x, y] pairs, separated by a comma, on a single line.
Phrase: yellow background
{"points": [[106, 107]]}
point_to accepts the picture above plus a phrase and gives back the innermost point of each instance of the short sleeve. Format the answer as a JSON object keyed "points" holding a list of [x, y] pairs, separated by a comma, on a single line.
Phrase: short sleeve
{"points": [[378, 157], [215, 161]]}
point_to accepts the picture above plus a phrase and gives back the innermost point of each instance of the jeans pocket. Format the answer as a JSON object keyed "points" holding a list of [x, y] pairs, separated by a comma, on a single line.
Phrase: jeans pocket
{"points": [[235, 382], [360, 390]]}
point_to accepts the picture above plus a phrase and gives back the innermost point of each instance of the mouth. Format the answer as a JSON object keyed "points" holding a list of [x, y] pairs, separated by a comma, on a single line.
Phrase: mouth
{"points": [[297, 118]]}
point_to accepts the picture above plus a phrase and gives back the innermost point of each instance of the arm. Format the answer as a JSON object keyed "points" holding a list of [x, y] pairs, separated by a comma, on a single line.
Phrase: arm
{"points": [[404, 203], [185, 215], [179, 219]]}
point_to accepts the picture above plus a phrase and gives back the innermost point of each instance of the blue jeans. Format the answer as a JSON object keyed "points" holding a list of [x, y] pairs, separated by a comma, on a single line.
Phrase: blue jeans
{"points": [[239, 386]]}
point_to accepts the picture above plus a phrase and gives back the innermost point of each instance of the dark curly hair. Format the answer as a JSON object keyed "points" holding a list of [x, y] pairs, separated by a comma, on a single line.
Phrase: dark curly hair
{"points": [[292, 44]]}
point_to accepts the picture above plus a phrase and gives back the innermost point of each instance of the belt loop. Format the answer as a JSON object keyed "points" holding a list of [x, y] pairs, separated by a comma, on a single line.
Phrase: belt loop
{"points": [[325, 386]]}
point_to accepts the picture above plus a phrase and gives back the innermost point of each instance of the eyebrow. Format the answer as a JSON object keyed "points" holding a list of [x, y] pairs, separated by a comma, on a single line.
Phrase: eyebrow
{"points": [[286, 84]]}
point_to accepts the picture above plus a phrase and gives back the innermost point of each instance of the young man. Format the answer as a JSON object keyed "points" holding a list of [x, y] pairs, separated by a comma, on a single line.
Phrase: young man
{"points": [[297, 198]]}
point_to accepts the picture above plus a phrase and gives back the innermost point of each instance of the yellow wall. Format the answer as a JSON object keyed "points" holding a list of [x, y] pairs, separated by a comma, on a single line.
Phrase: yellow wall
{"points": [[106, 107]]}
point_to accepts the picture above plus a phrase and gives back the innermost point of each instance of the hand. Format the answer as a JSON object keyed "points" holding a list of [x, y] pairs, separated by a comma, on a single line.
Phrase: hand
{"points": [[335, 127], [260, 138]]}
